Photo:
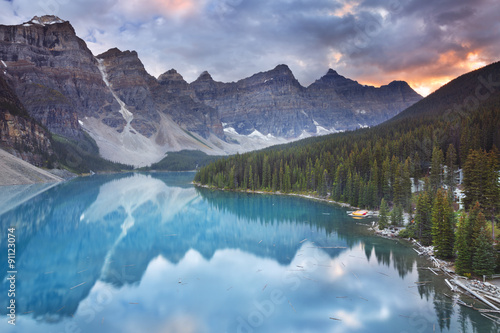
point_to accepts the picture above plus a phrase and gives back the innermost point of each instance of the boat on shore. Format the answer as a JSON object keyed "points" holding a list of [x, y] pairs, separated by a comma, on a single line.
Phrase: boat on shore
{"points": [[360, 213]]}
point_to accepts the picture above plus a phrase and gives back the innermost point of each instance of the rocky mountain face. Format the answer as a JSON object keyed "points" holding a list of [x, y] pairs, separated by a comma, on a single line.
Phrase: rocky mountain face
{"points": [[275, 103], [54, 74], [270, 102], [341, 103], [135, 118], [112, 97], [20, 133]]}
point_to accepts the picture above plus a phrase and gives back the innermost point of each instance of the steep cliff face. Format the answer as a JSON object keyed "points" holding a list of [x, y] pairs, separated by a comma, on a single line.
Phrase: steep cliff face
{"points": [[146, 97], [341, 103], [275, 103], [269, 102], [19, 132], [54, 74], [130, 82]]}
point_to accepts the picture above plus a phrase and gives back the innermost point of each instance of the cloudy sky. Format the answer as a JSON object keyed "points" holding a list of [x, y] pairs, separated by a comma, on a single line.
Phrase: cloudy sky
{"points": [[424, 42]]}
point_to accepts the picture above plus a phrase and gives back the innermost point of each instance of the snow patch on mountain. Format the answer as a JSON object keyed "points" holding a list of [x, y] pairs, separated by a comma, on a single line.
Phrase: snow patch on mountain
{"points": [[320, 130], [44, 20], [259, 135]]}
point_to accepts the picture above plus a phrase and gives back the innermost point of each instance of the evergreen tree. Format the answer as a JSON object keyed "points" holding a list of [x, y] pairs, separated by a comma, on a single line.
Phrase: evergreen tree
{"points": [[266, 172], [251, 184], [383, 214], [397, 188], [406, 185], [324, 184], [492, 189], [287, 184], [386, 179], [476, 221], [397, 216], [474, 168], [451, 168], [481, 182], [463, 263], [274, 181], [231, 179], [423, 219], [443, 235], [484, 256], [436, 168]]}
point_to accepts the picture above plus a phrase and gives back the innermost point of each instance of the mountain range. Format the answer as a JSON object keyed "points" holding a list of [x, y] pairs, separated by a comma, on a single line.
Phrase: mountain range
{"points": [[109, 101]]}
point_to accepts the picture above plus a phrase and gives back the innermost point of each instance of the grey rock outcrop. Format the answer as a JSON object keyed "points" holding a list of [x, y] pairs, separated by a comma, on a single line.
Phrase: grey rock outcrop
{"points": [[19, 133], [54, 74], [274, 102]]}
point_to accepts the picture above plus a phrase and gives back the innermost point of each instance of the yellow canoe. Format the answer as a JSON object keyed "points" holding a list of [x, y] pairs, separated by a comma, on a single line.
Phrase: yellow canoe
{"points": [[360, 213]]}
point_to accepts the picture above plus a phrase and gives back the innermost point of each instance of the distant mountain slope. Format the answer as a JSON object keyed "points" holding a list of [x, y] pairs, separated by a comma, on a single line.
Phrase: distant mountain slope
{"points": [[479, 88], [274, 103], [363, 166]]}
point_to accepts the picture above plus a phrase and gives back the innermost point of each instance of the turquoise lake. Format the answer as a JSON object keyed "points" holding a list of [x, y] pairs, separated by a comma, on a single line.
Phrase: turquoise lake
{"points": [[153, 253]]}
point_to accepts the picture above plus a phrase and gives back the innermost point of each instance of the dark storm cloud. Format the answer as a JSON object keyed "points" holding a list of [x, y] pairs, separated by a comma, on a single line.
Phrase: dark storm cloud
{"points": [[373, 41]]}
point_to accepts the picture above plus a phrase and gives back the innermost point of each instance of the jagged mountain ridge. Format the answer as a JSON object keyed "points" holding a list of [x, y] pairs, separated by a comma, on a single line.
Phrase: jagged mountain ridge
{"points": [[275, 103], [135, 118]]}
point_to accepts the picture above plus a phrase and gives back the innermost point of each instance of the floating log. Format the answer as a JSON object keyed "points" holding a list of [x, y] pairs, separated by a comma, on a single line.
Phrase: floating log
{"points": [[449, 285], [78, 285], [494, 299]]}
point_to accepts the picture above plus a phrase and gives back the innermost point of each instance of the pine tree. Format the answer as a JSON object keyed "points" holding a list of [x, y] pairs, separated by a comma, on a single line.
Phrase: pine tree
{"points": [[436, 168], [442, 226], [266, 172], [274, 180], [386, 179], [473, 178], [492, 188], [451, 167], [251, 184], [463, 263], [423, 219], [397, 216], [287, 184], [406, 185], [397, 187], [481, 182], [383, 214], [324, 184], [484, 256]]}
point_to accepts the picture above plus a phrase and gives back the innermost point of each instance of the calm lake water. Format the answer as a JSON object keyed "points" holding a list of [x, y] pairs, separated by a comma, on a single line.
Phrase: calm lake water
{"points": [[152, 253]]}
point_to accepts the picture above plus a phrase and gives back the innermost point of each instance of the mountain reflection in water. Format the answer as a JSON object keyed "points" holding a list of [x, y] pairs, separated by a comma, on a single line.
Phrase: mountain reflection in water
{"points": [[150, 252]]}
